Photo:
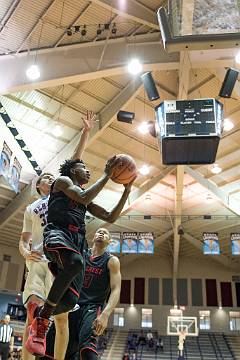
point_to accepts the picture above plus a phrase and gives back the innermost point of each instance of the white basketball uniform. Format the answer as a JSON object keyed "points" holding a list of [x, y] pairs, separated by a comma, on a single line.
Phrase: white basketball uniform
{"points": [[39, 279]]}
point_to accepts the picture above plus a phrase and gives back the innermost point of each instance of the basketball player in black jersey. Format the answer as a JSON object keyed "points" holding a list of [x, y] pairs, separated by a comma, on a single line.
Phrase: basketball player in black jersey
{"points": [[102, 277], [64, 241]]}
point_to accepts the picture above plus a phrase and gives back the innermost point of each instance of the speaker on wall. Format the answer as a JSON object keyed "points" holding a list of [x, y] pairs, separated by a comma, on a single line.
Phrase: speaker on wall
{"points": [[125, 116], [229, 83], [150, 86]]}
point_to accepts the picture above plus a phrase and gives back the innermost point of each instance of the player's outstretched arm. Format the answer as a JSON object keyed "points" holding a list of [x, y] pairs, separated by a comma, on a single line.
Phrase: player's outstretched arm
{"points": [[111, 216], [101, 322], [88, 123]]}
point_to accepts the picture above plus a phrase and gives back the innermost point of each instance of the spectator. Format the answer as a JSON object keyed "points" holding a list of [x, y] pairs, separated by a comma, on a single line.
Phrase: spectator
{"points": [[6, 338], [161, 345], [141, 339], [151, 343], [149, 336], [125, 357]]}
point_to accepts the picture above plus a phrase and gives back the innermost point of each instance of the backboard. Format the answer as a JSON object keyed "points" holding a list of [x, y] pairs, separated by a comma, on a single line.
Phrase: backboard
{"points": [[193, 24], [182, 325]]}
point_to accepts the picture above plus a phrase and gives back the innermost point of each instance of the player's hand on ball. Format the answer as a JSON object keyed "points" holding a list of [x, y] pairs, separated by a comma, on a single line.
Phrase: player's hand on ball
{"points": [[129, 185], [109, 168], [100, 324], [89, 121]]}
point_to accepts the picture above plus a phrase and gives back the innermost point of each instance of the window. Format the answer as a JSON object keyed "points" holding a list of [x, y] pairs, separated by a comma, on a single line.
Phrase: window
{"points": [[204, 322], [118, 317], [234, 317], [147, 318]]}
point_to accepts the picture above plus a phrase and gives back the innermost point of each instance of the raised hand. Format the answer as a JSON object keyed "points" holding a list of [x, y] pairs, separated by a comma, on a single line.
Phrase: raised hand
{"points": [[129, 185], [89, 121]]}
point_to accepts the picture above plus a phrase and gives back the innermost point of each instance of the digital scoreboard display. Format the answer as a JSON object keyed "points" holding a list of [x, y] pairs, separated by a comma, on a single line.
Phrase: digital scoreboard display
{"points": [[185, 118]]}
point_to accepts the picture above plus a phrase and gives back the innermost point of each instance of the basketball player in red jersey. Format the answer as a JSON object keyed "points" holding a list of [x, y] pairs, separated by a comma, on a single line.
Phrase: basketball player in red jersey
{"points": [[39, 279], [64, 240]]}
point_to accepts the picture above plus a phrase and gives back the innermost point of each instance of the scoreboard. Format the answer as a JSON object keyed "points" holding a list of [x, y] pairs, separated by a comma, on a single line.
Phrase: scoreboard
{"points": [[189, 130], [190, 117]]}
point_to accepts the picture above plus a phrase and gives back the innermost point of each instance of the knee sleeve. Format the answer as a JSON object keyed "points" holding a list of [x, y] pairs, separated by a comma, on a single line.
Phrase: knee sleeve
{"points": [[73, 262], [87, 354]]}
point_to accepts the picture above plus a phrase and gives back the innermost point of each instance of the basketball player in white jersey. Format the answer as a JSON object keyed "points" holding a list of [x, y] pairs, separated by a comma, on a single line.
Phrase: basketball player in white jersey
{"points": [[39, 278]]}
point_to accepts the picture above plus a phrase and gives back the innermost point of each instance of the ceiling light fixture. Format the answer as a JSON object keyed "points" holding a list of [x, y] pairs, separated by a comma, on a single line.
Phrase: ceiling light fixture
{"points": [[33, 72], [144, 170], [84, 31], [134, 66], [148, 197], [57, 130], [209, 199], [114, 29], [237, 58], [143, 128], [227, 125], [216, 169]]}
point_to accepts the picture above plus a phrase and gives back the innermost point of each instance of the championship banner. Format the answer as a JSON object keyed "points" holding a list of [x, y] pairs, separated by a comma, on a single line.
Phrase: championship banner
{"points": [[115, 244], [5, 160], [235, 239], [145, 243], [129, 243], [211, 244], [15, 175]]}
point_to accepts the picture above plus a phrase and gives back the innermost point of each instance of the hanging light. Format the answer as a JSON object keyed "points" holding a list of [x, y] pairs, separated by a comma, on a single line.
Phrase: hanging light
{"points": [[99, 30], [144, 128], [114, 29], [237, 58], [209, 198], [33, 72], [216, 169], [228, 125], [144, 170], [148, 197], [41, 123], [57, 130], [134, 66], [84, 31]]}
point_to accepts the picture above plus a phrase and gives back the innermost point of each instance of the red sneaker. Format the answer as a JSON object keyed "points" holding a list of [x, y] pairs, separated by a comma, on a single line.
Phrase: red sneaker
{"points": [[36, 342], [31, 307]]}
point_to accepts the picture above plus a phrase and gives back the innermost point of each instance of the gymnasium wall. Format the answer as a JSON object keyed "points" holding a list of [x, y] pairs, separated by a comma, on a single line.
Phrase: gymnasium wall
{"points": [[157, 272], [11, 268]]}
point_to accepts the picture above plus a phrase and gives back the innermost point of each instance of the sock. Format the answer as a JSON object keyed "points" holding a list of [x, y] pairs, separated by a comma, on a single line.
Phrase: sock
{"points": [[47, 310]]}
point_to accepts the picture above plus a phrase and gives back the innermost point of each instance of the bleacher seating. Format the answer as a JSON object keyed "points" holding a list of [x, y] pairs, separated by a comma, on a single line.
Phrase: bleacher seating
{"points": [[207, 346]]}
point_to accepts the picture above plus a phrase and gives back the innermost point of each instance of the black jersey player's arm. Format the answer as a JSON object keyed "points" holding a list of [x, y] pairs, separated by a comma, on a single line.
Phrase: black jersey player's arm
{"points": [[100, 323], [88, 124], [85, 197], [111, 216]]}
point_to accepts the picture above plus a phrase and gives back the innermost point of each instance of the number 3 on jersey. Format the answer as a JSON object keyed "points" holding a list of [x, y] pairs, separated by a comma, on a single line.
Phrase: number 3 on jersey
{"points": [[43, 217]]}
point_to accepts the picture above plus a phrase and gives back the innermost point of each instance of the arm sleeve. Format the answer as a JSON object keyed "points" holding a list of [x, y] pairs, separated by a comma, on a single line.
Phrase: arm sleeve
{"points": [[27, 221]]}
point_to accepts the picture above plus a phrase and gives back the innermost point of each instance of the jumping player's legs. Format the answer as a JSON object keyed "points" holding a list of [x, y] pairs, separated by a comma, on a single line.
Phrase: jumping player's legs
{"points": [[72, 265]]}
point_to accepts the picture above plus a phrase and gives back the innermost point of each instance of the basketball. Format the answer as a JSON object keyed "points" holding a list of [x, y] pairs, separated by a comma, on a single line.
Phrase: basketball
{"points": [[125, 170]]}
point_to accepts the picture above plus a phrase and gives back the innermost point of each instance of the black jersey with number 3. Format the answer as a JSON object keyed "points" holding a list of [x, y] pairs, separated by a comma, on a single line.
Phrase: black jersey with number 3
{"points": [[96, 283], [63, 211]]}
